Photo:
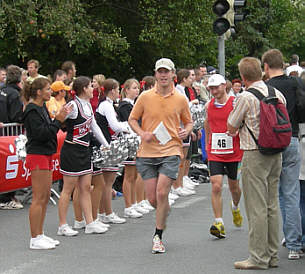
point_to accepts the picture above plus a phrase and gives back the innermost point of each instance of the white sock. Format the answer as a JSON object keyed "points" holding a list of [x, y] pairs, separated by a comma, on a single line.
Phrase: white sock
{"points": [[219, 220], [234, 207]]}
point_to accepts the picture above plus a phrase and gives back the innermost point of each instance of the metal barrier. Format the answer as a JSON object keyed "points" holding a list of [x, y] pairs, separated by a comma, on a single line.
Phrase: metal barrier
{"points": [[12, 129]]}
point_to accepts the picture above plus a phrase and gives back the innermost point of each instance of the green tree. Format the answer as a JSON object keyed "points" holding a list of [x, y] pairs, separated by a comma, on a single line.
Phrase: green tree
{"points": [[123, 38]]}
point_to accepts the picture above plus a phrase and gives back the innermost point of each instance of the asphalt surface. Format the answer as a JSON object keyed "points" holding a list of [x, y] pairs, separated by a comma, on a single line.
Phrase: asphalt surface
{"points": [[126, 248]]}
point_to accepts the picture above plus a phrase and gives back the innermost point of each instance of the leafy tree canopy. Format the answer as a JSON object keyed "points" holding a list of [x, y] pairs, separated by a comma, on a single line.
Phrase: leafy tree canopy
{"points": [[123, 38]]}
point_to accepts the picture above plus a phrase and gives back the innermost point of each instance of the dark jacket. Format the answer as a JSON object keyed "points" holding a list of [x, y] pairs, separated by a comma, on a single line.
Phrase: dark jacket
{"points": [[124, 110], [41, 131], [11, 105], [287, 86]]}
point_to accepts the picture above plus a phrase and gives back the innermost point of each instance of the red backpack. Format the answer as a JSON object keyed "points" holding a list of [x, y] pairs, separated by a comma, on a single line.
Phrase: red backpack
{"points": [[275, 129]]}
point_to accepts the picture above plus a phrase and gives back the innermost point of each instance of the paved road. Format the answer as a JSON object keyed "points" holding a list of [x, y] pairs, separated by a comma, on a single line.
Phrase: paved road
{"points": [[127, 248]]}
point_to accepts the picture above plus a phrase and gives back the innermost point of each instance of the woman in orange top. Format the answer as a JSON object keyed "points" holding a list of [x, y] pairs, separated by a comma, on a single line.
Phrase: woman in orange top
{"points": [[57, 100]]}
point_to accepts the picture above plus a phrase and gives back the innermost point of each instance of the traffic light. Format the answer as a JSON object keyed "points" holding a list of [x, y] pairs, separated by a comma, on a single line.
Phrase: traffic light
{"points": [[227, 16]]}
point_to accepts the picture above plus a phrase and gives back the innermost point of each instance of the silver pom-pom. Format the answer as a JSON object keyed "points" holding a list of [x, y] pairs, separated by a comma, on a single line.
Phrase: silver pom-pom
{"points": [[20, 143]]}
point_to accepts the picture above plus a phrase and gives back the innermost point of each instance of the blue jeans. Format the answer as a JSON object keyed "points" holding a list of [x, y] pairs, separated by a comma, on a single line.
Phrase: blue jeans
{"points": [[302, 207], [289, 195]]}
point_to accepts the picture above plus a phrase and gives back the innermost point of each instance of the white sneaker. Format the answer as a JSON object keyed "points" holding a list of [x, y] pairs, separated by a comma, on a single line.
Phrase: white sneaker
{"points": [[140, 209], [79, 225], [40, 243], [189, 191], [148, 205], [145, 205], [131, 212], [50, 240], [66, 230], [182, 191], [187, 185], [200, 166], [171, 202], [95, 227], [189, 180], [113, 218], [100, 219], [293, 255], [173, 196]]}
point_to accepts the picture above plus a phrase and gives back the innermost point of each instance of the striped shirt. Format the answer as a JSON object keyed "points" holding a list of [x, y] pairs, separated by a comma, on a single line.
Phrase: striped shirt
{"points": [[246, 111]]}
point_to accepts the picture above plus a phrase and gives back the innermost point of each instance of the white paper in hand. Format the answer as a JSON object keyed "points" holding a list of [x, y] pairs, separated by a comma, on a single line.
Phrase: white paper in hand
{"points": [[162, 134]]}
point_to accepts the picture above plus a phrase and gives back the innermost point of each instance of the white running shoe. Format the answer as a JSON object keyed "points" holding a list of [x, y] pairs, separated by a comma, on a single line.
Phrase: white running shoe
{"points": [[41, 243], [114, 219], [95, 227], [131, 212], [66, 230], [182, 191], [99, 219], [144, 205], [173, 196], [187, 185], [79, 225], [148, 205], [189, 191], [189, 180], [140, 209], [50, 240], [171, 202]]}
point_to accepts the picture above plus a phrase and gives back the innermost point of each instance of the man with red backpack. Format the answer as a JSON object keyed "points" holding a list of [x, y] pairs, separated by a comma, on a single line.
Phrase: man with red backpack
{"points": [[260, 172]]}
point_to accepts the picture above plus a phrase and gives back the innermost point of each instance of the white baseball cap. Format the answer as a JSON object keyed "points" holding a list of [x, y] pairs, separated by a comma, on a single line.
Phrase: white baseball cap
{"points": [[216, 80], [165, 63]]}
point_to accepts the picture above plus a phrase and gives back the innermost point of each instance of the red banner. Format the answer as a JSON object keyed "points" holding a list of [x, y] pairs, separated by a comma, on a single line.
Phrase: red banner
{"points": [[13, 172]]}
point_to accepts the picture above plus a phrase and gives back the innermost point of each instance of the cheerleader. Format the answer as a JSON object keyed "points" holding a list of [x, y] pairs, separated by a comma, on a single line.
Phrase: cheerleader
{"points": [[107, 120], [75, 158], [132, 210], [97, 185], [98, 94], [41, 132]]}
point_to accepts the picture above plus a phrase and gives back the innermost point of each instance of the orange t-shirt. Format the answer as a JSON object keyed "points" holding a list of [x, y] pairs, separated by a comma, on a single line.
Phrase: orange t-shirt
{"points": [[54, 106], [153, 108]]}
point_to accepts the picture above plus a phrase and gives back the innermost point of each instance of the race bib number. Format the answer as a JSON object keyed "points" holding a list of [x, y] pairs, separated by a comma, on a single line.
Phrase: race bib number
{"points": [[221, 143]]}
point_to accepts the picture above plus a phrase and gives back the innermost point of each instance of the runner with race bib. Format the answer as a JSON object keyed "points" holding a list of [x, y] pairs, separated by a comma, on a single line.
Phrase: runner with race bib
{"points": [[224, 154]]}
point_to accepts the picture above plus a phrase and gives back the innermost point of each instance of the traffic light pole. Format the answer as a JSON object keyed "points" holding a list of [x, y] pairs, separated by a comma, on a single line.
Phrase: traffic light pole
{"points": [[221, 55]]}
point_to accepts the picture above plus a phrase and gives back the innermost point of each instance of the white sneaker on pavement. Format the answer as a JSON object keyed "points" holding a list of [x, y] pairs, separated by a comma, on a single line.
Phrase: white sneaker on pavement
{"points": [[40, 243], [145, 204], [95, 227], [149, 206], [187, 185], [140, 209], [171, 202], [173, 196], [66, 230], [113, 218], [79, 225], [182, 191], [131, 212], [189, 191], [101, 218], [189, 180], [101, 223], [51, 240]]}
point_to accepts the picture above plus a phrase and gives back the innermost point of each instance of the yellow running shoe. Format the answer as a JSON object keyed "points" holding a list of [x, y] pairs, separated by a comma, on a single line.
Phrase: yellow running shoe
{"points": [[218, 230], [237, 218]]}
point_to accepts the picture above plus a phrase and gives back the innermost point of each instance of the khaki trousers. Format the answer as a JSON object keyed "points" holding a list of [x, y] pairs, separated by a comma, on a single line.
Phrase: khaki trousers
{"points": [[260, 177]]}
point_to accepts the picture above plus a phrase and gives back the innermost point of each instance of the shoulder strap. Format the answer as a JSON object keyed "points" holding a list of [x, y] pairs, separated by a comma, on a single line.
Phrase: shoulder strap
{"points": [[259, 95], [256, 93]]}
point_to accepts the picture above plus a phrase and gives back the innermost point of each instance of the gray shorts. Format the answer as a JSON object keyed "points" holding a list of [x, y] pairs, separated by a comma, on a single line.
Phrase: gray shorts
{"points": [[151, 167]]}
